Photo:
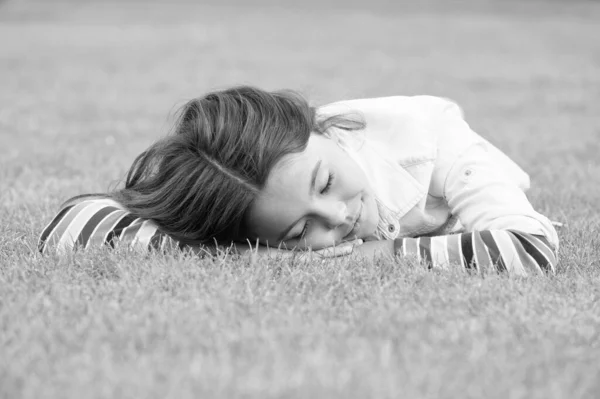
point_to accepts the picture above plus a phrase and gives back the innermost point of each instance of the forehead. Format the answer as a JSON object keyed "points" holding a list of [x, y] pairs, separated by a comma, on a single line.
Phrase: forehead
{"points": [[283, 199], [291, 171], [288, 172]]}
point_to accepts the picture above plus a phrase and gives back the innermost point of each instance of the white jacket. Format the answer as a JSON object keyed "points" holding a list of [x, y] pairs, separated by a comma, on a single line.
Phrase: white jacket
{"points": [[432, 174]]}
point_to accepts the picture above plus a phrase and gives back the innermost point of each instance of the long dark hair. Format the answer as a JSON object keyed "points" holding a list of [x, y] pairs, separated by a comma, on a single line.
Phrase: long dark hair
{"points": [[198, 183]]}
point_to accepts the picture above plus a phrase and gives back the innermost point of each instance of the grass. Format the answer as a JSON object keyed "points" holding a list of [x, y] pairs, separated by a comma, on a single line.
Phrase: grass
{"points": [[87, 85]]}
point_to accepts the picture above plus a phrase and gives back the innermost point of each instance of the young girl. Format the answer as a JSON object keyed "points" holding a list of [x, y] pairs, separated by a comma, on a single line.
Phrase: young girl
{"points": [[402, 176]]}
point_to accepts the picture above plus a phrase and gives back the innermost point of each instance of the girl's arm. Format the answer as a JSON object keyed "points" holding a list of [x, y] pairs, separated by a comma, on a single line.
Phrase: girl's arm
{"points": [[94, 223], [484, 189], [101, 222], [484, 251]]}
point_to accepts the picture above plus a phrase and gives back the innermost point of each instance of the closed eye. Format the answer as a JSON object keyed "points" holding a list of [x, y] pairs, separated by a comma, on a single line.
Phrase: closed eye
{"points": [[303, 232], [329, 183], [324, 190]]}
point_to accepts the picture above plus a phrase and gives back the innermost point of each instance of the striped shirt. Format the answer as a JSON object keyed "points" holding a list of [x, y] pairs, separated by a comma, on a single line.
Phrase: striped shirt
{"points": [[103, 222], [508, 251]]}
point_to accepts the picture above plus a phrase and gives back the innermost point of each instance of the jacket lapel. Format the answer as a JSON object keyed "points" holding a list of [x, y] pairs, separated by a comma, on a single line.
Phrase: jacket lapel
{"points": [[394, 186]]}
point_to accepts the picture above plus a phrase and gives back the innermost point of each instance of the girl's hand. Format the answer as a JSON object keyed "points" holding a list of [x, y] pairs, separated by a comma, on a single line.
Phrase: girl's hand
{"points": [[376, 249], [343, 249]]}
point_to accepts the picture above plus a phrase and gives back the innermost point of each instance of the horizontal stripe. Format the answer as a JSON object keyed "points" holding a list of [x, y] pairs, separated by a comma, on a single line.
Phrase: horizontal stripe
{"points": [[539, 248], [484, 262], [92, 224], [529, 264], [98, 236], [56, 235], [156, 241], [510, 256], [71, 232], [495, 255], [113, 236], [454, 250], [439, 251], [425, 251], [129, 233], [411, 247], [50, 228], [144, 234], [467, 250], [398, 246]]}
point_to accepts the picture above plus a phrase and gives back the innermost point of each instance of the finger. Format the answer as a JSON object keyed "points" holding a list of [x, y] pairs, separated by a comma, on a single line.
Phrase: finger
{"points": [[357, 241], [334, 252], [342, 249]]}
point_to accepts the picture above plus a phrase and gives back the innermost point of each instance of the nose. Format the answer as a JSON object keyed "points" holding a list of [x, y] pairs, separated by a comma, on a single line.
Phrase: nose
{"points": [[335, 213]]}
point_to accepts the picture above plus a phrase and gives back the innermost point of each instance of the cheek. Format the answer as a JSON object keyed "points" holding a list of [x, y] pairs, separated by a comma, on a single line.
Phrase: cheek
{"points": [[322, 237]]}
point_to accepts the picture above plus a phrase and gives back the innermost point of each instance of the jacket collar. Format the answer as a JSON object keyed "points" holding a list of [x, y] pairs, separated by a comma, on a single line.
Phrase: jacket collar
{"points": [[394, 187]]}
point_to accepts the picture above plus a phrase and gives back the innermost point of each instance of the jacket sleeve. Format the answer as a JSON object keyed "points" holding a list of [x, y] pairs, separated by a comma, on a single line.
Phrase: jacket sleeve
{"points": [[482, 186], [485, 190]]}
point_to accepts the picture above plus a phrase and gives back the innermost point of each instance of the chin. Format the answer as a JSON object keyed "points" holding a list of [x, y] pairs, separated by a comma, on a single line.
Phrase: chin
{"points": [[369, 235], [370, 225]]}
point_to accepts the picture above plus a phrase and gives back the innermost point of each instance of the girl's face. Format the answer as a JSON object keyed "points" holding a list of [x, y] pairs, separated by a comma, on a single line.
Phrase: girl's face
{"points": [[316, 198]]}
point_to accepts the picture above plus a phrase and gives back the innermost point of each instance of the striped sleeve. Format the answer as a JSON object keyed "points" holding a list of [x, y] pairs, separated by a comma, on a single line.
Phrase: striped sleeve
{"points": [[504, 251], [103, 222], [94, 223]]}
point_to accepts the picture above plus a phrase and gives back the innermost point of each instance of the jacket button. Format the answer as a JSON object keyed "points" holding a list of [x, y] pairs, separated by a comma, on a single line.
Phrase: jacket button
{"points": [[391, 228]]}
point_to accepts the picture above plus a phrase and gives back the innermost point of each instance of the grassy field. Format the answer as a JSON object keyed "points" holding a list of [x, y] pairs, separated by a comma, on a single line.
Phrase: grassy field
{"points": [[85, 86]]}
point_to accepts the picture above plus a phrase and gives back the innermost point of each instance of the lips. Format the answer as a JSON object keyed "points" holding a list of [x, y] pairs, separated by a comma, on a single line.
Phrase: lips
{"points": [[356, 224]]}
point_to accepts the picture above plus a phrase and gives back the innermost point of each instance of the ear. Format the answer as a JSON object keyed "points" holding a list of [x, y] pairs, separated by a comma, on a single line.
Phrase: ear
{"points": [[327, 135], [345, 139]]}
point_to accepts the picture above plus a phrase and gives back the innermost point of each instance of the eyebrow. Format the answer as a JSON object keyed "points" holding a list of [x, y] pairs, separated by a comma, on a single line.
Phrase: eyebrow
{"points": [[313, 179]]}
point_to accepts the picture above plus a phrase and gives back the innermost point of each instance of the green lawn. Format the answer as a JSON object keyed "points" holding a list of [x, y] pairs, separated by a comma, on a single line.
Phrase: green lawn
{"points": [[85, 86]]}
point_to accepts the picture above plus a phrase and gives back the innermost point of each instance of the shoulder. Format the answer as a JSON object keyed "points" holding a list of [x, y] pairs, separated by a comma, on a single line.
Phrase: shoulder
{"points": [[400, 119], [81, 219], [407, 127], [396, 107]]}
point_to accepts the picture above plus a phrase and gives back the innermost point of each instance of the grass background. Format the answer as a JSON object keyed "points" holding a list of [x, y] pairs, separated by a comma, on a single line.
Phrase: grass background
{"points": [[86, 85]]}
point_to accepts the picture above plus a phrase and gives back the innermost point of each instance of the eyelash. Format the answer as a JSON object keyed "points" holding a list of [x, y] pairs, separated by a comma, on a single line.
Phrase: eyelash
{"points": [[323, 191], [303, 232], [329, 182]]}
